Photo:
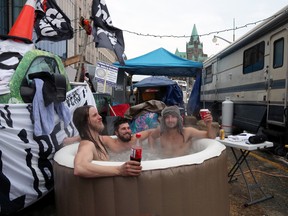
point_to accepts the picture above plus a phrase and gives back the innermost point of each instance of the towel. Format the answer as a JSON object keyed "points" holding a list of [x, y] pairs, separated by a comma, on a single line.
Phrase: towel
{"points": [[44, 115], [243, 137]]}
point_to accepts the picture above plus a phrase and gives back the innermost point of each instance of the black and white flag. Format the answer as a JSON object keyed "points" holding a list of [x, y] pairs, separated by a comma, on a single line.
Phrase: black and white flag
{"points": [[105, 34], [51, 23]]}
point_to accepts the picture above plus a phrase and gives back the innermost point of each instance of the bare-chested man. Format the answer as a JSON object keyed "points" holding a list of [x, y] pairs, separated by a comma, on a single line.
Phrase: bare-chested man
{"points": [[176, 140], [125, 139]]}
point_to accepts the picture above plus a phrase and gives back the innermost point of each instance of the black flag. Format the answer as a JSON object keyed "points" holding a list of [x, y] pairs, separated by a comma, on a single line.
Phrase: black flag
{"points": [[51, 23], [105, 34]]}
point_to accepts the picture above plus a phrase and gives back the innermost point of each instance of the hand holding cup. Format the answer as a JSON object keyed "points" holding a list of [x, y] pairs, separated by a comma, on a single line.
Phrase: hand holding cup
{"points": [[203, 113], [206, 116]]}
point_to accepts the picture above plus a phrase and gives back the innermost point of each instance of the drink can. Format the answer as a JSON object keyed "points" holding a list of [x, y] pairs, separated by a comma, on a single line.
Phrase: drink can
{"points": [[136, 153], [203, 113], [222, 134]]}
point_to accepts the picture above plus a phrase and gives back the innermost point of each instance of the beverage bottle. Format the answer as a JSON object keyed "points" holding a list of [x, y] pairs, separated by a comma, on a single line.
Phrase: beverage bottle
{"points": [[222, 134], [136, 150]]}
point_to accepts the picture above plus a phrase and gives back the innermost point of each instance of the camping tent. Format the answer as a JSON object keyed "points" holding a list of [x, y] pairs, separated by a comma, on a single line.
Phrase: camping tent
{"points": [[160, 62]]}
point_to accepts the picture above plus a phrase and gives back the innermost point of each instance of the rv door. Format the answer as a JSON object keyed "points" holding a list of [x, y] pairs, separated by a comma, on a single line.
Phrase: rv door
{"points": [[277, 74]]}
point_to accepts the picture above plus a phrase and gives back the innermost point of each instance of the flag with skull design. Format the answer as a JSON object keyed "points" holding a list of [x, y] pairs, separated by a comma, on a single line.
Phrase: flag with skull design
{"points": [[105, 34], [51, 22]]}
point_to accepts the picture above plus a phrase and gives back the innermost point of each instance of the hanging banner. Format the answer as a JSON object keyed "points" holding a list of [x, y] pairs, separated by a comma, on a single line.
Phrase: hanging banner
{"points": [[11, 53], [26, 172]]}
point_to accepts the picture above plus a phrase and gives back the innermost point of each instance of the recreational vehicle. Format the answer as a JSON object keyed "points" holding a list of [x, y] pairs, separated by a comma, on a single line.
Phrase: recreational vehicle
{"points": [[252, 72]]}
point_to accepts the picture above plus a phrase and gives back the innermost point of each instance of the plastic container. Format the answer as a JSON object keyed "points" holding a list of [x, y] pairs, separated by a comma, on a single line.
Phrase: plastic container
{"points": [[203, 113], [227, 116]]}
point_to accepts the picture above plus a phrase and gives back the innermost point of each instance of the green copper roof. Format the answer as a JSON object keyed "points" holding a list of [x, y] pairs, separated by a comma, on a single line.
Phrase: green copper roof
{"points": [[194, 30], [194, 35], [181, 54]]}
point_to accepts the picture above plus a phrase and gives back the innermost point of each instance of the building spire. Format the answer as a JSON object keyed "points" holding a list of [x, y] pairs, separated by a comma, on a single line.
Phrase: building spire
{"points": [[194, 35]]}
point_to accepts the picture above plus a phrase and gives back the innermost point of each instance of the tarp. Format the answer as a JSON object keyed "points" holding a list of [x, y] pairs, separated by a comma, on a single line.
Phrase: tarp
{"points": [[193, 105], [155, 81], [160, 62], [173, 93]]}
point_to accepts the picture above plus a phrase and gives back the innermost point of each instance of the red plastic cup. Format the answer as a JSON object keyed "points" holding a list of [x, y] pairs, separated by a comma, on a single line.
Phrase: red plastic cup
{"points": [[203, 113]]}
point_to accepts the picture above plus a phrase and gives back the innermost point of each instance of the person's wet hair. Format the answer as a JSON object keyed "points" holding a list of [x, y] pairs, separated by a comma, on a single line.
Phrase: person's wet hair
{"points": [[81, 122], [174, 111], [119, 121]]}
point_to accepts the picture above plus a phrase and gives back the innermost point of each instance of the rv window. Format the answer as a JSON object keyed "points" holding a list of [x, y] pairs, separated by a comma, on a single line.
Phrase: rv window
{"points": [[253, 59], [209, 76], [278, 53]]}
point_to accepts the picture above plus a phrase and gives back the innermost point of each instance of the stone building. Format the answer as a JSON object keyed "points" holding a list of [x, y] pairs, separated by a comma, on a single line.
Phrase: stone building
{"points": [[194, 48], [194, 52]]}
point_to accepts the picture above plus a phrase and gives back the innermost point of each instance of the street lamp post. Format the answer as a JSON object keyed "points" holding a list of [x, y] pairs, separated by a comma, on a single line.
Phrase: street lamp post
{"points": [[214, 40]]}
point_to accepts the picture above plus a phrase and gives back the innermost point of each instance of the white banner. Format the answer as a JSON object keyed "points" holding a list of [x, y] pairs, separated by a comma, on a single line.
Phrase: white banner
{"points": [[26, 172]]}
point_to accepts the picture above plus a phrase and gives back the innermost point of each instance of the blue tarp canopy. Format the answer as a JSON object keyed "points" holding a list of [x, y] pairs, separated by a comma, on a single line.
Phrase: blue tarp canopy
{"points": [[160, 62], [155, 81]]}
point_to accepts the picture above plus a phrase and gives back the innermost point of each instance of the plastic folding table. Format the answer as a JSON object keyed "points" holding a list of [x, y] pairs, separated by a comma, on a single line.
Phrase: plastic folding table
{"points": [[244, 150]]}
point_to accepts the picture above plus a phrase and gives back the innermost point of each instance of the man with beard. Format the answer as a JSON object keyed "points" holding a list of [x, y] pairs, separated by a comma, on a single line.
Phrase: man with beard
{"points": [[125, 139], [89, 124], [176, 140]]}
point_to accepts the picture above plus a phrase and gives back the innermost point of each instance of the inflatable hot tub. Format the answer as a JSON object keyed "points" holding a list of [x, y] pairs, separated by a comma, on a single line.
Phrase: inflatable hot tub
{"points": [[194, 184]]}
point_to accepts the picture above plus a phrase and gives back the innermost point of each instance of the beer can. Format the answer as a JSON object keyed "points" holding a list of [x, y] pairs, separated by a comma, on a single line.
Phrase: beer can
{"points": [[222, 134]]}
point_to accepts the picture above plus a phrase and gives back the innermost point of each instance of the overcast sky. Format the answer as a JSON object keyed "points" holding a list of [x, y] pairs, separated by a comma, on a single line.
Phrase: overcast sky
{"points": [[176, 18]]}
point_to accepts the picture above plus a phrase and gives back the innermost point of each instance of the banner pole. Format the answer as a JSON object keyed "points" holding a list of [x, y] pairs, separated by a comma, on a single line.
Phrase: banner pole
{"points": [[105, 83], [82, 58]]}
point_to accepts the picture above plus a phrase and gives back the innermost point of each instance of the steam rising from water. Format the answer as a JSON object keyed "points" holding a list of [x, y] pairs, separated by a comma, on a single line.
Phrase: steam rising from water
{"points": [[147, 153]]}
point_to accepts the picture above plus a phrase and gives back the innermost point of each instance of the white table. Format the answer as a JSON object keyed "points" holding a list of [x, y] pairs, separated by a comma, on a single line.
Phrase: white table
{"points": [[245, 149]]}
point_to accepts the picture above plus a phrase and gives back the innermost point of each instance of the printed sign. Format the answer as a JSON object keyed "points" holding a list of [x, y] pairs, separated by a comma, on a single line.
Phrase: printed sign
{"points": [[106, 75]]}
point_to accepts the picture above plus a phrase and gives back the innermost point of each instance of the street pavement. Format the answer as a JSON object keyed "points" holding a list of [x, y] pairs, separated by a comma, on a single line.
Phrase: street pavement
{"points": [[271, 172]]}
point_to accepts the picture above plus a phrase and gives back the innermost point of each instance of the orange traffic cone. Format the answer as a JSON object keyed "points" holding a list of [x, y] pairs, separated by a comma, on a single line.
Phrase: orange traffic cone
{"points": [[23, 27]]}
